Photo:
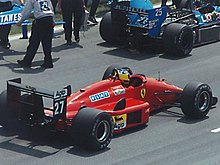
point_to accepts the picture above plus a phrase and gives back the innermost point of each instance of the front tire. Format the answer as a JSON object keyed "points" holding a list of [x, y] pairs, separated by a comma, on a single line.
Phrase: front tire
{"points": [[196, 100], [92, 129]]}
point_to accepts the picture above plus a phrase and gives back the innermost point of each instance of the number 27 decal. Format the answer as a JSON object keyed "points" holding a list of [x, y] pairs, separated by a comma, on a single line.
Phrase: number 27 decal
{"points": [[59, 107]]}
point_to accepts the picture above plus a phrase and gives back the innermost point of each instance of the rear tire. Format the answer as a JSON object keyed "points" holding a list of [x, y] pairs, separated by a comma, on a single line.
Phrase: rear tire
{"points": [[7, 114], [178, 39], [196, 100], [111, 30], [92, 129]]}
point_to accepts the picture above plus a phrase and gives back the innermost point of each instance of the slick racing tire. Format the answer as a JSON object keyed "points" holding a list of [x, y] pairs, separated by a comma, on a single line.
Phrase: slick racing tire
{"points": [[6, 110], [196, 100], [109, 71], [92, 129], [7, 114], [180, 4], [178, 39], [113, 31], [3, 104]]}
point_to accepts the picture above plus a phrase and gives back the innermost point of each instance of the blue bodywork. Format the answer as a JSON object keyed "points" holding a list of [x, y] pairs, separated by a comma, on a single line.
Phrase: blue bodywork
{"points": [[141, 14], [207, 18]]}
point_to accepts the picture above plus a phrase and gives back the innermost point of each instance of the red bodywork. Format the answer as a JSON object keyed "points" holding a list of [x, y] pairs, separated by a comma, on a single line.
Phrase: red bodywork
{"points": [[148, 96]]}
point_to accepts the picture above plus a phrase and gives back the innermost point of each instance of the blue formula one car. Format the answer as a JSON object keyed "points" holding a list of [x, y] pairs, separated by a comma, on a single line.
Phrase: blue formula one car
{"points": [[178, 27]]}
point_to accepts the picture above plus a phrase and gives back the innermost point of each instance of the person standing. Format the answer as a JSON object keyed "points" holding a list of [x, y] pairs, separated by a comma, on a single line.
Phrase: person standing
{"points": [[5, 5], [69, 8], [41, 31], [94, 6]]}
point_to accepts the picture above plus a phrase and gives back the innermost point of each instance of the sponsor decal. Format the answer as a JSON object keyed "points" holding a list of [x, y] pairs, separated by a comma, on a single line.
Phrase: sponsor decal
{"points": [[59, 103], [60, 94], [143, 93], [99, 96], [9, 18], [120, 121], [118, 90], [130, 9]]}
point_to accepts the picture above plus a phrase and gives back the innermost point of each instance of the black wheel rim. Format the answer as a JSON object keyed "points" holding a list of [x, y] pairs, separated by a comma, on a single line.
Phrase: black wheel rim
{"points": [[204, 101]]}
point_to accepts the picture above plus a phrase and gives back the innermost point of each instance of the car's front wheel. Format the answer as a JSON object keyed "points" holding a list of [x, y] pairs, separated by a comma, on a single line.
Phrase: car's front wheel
{"points": [[196, 100]]}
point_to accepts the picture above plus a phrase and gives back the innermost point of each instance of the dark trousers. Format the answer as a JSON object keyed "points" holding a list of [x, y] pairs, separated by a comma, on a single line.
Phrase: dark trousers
{"points": [[70, 8], [54, 3], [94, 6], [5, 29], [41, 32]]}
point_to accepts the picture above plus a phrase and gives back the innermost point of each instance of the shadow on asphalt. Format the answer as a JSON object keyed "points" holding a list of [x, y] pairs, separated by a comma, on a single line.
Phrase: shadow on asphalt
{"points": [[39, 142], [9, 52], [65, 47], [144, 53], [35, 67], [166, 112]]}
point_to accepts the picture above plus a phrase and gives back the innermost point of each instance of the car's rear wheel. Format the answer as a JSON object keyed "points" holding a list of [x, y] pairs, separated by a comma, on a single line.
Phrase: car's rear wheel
{"points": [[111, 30], [7, 114], [196, 100], [178, 39], [92, 129]]}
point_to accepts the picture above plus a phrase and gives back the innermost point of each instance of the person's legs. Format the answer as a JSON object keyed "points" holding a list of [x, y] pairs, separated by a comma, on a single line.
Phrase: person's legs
{"points": [[54, 3], [86, 2], [94, 6], [67, 17], [4, 33], [77, 23], [34, 42], [47, 30], [5, 29]]}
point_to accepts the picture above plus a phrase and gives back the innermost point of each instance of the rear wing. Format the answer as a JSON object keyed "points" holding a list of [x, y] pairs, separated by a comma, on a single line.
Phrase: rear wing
{"points": [[15, 91]]}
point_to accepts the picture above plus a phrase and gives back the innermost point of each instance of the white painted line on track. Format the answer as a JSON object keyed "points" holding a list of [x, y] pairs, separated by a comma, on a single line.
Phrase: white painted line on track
{"points": [[215, 130]]}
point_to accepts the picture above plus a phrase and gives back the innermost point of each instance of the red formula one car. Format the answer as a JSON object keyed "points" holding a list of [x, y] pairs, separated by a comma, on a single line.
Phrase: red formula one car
{"points": [[119, 101]]}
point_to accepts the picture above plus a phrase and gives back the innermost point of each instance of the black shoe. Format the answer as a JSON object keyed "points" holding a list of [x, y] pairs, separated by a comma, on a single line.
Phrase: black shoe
{"points": [[77, 40], [93, 20], [6, 46], [68, 43], [47, 65], [24, 64]]}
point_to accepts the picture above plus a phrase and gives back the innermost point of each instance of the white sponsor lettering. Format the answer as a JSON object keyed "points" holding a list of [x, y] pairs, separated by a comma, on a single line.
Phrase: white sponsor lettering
{"points": [[99, 96]]}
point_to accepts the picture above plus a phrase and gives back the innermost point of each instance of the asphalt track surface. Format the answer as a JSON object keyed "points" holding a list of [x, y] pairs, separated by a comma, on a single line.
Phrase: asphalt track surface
{"points": [[168, 139]]}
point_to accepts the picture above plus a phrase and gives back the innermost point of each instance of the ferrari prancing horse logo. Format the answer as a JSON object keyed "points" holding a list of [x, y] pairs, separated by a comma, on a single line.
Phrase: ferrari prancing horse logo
{"points": [[143, 92]]}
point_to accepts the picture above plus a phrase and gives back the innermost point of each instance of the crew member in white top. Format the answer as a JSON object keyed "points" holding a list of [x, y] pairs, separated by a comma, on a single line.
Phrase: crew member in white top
{"points": [[41, 31]]}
